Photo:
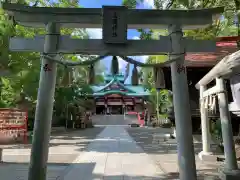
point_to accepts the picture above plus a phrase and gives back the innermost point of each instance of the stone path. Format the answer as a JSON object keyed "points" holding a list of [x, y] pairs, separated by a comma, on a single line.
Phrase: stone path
{"points": [[64, 149], [19, 171], [114, 120], [113, 155], [165, 154], [117, 153]]}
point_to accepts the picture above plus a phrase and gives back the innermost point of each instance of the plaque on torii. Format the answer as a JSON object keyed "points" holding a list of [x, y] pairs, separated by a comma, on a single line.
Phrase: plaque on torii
{"points": [[114, 30]]}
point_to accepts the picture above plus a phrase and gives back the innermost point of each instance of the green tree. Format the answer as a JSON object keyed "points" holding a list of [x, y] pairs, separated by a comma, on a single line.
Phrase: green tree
{"points": [[24, 67], [224, 27]]}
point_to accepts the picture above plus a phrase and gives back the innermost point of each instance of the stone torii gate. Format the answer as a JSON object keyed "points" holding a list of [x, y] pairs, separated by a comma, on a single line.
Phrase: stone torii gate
{"points": [[115, 21]]}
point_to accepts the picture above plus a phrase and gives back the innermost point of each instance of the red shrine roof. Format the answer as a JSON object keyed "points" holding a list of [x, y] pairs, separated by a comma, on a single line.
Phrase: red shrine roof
{"points": [[225, 46]]}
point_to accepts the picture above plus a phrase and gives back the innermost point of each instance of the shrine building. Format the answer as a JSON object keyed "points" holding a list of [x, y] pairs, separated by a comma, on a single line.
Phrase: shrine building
{"points": [[198, 65], [117, 97]]}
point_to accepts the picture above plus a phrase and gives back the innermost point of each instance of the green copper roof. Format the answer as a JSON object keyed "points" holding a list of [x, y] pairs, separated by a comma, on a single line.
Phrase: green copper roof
{"points": [[120, 77], [129, 89], [115, 80], [121, 93]]}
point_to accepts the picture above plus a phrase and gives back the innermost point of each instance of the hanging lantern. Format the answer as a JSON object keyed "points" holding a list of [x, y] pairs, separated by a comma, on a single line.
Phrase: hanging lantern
{"points": [[114, 67], [159, 79], [91, 74], [135, 76]]}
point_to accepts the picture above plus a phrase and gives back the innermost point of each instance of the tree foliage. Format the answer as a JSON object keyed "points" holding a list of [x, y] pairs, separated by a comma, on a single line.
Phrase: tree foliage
{"points": [[24, 67], [227, 25]]}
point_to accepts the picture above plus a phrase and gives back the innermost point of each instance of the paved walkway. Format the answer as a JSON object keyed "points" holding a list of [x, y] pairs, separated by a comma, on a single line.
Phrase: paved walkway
{"points": [[63, 150], [20, 171], [165, 153], [113, 155]]}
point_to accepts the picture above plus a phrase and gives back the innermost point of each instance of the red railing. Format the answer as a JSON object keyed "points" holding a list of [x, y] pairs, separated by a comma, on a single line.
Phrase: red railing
{"points": [[140, 120], [228, 38]]}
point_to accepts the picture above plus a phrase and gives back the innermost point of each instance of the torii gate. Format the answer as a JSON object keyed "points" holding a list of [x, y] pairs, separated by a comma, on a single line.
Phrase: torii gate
{"points": [[115, 21]]}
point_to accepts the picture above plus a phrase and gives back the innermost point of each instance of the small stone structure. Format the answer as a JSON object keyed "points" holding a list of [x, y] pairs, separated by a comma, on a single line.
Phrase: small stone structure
{"points": [[228, 67]]}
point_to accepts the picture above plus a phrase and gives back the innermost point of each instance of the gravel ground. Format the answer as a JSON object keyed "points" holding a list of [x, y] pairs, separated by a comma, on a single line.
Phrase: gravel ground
{"points": [[165, 153]]}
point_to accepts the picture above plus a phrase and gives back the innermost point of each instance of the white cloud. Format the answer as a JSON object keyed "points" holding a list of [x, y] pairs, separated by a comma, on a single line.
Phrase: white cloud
{"points": [[94, 33], [149, 4], [143, 58], [136, 38], [121, 64]]}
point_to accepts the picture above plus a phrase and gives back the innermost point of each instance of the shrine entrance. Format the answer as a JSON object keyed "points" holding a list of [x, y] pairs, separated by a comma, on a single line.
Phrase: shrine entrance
{"points": [[100, 109], [114, 109], [117, 109], [115, 21]]}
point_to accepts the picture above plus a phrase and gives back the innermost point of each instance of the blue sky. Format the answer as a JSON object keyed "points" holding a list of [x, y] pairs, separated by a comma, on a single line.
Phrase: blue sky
{"points": [[97, 33]]}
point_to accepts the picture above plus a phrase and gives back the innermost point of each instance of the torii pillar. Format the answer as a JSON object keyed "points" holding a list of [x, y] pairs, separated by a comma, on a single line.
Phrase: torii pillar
{"points": [[186, 155], [44, 108]]}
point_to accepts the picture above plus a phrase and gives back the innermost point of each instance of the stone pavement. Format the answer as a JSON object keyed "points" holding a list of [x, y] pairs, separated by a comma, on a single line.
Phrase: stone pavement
{"points": [[19, 171], [165, 153], [63, 150], [114, 120], [113, 155], [118, 152]]}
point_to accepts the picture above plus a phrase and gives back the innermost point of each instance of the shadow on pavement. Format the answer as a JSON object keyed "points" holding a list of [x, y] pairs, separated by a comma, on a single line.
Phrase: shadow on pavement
{"points": [[144, 138], [165, 153], [70, 137], [86, 172]]}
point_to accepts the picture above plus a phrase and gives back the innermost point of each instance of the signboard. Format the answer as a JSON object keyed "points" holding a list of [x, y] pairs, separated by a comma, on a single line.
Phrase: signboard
{"points": [[13, 126], [114, 24]]}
